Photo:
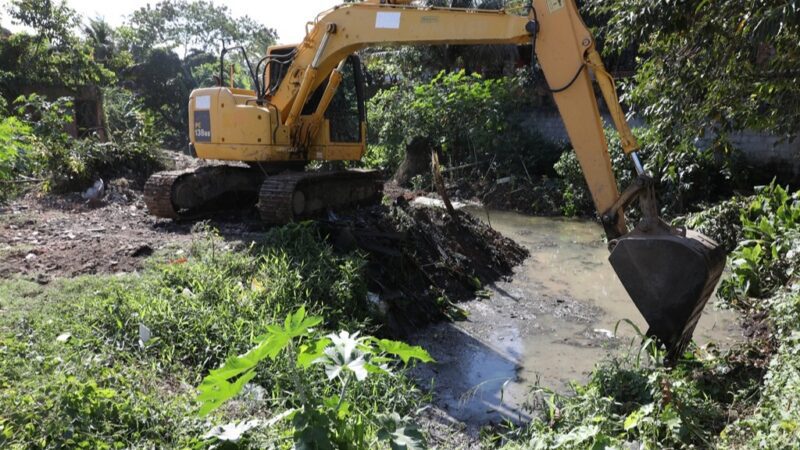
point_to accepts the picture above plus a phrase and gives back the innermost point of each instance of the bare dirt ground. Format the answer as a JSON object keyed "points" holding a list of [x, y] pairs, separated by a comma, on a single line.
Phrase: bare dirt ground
{"points": [[42, 237], [419, 260]]}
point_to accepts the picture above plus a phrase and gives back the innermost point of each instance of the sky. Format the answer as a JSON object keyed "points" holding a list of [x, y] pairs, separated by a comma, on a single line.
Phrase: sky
{"points": [[288, 17]]}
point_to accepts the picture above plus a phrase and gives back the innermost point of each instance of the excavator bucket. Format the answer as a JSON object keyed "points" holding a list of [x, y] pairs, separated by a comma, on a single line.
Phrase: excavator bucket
{"points": [[670, 275]]}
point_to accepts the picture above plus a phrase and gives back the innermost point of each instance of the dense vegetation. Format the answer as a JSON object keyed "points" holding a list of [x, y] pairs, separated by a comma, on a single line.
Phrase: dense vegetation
{"points": [[116, 362], [141, 73], [112, 362]]}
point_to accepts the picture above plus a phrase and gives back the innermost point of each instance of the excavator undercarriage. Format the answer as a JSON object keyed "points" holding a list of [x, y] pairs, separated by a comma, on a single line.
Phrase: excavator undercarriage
{"points": [[280, 197]]}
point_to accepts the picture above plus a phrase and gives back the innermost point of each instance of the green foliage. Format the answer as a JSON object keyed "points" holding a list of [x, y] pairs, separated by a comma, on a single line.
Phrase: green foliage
{"points": [[775, 421], [769, 254], [216, 299], [52, 57], [472, 118], [129, 122], [66, 163], [109, 362], [156, 54], [721, 222], [685, 175], [577, 198], [192, 26], [320, 420], [15, 143], [710, 65], [629, 401], [55, 393], [175, 46]]}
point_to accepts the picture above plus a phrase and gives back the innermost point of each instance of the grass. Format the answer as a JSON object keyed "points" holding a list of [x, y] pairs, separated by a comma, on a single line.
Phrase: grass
{"points": [[78, 369]]}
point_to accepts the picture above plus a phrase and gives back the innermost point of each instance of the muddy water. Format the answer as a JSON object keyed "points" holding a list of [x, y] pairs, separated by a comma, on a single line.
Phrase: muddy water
{"points": [[548, 325]]}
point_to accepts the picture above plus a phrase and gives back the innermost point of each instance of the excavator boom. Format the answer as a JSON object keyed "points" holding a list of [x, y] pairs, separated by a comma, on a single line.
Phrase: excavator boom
{"points": [[670, 273]]}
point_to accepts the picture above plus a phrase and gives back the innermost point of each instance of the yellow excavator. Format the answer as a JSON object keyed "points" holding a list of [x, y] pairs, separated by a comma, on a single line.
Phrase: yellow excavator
{"points": [[298, 112]]}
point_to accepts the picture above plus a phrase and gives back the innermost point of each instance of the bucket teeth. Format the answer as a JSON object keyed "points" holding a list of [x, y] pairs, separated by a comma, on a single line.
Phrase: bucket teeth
{"points": [[670, 277]]}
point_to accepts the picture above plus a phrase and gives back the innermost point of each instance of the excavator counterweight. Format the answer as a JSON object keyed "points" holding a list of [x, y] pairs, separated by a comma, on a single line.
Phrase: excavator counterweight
{"points": [[297, 112]]}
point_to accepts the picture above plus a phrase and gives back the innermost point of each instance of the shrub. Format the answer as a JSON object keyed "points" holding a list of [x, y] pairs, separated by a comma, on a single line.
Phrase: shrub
{"points": [[470, 117], [721, 222], [628, 402], [67, 163], [577, 198], [769, 255], [15, 145], [685, 175]]}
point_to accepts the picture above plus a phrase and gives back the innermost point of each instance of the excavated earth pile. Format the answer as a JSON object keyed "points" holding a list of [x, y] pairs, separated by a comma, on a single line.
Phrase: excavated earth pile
{"points": [[421, 260]]}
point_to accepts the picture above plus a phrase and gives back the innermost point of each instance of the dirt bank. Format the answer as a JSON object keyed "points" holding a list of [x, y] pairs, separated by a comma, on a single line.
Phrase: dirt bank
{"points": [[420, 260]]}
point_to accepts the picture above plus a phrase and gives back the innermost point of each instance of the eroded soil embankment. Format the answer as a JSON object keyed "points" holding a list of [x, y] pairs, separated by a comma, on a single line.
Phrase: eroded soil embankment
{"points": [[419, 260]]}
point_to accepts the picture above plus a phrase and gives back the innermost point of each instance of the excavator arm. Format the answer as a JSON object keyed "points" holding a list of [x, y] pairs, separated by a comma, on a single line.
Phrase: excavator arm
{"points": [[669, 273], [563, 44]]}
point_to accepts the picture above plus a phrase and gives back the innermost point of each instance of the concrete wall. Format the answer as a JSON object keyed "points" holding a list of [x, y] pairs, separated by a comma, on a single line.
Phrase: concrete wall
{"points": [[549, 124], [770, 155], [764, 152]]}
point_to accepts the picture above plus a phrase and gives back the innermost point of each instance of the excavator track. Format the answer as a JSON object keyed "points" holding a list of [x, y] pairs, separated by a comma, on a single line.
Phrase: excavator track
{"points": [[294, 196], [158, 194], [281, 198], [192, 193]]}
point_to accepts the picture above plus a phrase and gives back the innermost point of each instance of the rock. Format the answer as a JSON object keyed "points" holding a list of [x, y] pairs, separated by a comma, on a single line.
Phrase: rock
{"points": [[94, 193]]}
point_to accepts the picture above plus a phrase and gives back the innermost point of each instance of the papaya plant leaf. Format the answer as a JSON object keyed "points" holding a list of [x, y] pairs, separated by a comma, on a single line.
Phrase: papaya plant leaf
{"points": [[404, 351], [215, 392]]}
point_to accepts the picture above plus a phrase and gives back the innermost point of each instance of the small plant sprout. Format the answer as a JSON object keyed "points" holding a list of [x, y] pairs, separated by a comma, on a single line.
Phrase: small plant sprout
{"points": [[321, 415]]}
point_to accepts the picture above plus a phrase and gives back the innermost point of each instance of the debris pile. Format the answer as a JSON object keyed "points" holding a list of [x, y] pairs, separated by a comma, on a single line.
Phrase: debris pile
{"points": [[421, 260]]}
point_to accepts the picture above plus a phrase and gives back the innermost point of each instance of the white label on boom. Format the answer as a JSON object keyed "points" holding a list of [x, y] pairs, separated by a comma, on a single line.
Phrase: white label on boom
{"points": [[202, 102], [387, 20], [555, 5]]}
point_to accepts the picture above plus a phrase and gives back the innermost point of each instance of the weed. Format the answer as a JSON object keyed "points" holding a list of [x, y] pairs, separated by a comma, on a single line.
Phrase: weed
{"points": [[66, 163], [109, 362], [769, 254], [323, 415]]}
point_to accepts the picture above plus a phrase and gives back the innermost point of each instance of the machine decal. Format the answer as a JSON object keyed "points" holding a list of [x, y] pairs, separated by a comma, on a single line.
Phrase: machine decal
{"points": [[555, 5], [202, 126], [389, 20], [202, 102]]}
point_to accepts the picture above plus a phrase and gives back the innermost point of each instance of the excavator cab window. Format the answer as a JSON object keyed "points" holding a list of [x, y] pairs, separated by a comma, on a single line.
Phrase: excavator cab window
{"points": [[280, 60], [347, 111]]}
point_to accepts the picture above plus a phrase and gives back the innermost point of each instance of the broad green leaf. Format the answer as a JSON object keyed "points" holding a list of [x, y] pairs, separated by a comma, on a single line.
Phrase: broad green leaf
{"points": [[632, 421], [307, 355], [215, 392], [297, 324], [404, 351]]}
